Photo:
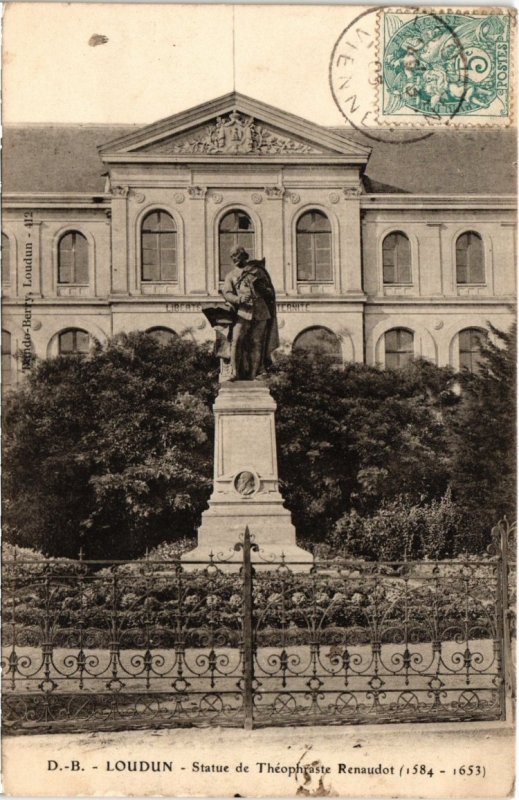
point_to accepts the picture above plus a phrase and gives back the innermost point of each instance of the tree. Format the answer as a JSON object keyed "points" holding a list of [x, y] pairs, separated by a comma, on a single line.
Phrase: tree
{"points": [[484, 436], [352, 438], [112, 452]]}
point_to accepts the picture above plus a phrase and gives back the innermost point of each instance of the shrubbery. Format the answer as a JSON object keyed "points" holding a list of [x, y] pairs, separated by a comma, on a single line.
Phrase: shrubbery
{"points": [[399, 530], [151, 604]]}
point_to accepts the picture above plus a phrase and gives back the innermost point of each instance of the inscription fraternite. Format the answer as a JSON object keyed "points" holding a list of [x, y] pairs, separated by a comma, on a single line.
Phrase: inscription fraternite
{"points": [[232, 134]]}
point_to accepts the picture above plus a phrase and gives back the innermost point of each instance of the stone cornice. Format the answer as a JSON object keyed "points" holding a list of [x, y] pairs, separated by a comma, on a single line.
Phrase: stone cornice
{"points": [[72, 200], [186, 304], [223, 158], [376, 202], [437, 202], [478, 301]]}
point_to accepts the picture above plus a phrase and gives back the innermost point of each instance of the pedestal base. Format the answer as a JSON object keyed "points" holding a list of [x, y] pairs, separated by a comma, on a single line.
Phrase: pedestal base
{"points": [[245, 490], [270, 527]]}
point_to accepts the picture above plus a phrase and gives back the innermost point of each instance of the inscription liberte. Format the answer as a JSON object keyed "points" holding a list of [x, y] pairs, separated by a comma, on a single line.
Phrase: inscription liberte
{"points": [[189, 308]]}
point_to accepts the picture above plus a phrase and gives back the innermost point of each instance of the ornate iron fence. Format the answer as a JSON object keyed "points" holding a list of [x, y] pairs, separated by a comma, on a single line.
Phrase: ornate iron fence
{"points": [[122, 644]]}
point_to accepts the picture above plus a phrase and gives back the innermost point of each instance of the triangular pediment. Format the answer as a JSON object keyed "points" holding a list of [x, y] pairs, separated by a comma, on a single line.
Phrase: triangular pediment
{"points": [[233, 126], [232, 134]]}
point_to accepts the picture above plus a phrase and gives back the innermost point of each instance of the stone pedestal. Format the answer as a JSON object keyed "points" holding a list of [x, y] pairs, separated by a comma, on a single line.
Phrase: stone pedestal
{"points": [[245, 489]]}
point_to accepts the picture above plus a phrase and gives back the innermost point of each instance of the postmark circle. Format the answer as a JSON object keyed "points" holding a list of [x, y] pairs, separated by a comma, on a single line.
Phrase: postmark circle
{"points": [[423, 64]]}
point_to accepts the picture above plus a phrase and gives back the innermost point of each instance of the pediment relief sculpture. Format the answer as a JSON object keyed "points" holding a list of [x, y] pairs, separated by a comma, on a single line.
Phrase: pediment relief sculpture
{"points": [[232, 134]]}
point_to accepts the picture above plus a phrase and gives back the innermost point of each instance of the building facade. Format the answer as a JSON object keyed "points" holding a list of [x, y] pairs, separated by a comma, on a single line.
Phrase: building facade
{"points": [[379, 253]]}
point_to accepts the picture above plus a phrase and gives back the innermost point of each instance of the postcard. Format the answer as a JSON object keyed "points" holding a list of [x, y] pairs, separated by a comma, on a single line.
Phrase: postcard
{"points": [[258, 391]]}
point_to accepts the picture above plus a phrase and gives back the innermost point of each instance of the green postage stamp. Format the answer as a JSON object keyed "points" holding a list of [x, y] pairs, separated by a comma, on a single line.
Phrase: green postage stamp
{"points": [[452, 65]]}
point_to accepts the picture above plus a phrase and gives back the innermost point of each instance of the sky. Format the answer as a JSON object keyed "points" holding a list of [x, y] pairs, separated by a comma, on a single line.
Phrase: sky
{"points": [[160, 59]]}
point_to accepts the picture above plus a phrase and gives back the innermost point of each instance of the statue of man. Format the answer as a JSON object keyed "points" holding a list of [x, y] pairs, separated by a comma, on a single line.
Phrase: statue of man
{"points": [[254, 334]]}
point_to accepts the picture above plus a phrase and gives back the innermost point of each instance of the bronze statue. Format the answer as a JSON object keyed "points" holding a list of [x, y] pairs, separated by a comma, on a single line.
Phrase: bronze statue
{"points": [[246, 326]]}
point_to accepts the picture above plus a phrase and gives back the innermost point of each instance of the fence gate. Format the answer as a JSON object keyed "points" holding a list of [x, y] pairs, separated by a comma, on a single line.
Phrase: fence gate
{"points": [[104, 645]]}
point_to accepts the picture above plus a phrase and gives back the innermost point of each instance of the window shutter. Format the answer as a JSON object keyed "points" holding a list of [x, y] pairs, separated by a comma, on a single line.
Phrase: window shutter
{"points": [[226, 247], [80, 259], [403, 255], [476, 272], [168, 256], [470, 260], [150, 256], [470, 348], [323, 257], [399, 347], [82, 342], [305, 270], [388, 260], [65, 259]]}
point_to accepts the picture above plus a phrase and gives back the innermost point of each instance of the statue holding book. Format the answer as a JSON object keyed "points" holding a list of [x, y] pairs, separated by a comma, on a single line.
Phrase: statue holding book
{"points": [[246, 326]]}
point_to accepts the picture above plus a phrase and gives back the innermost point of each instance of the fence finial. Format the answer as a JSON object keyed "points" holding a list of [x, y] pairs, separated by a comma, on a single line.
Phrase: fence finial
{"points": [[246, 535]]}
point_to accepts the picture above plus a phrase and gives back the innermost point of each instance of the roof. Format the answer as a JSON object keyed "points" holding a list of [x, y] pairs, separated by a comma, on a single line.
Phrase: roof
{"points": [[64, 158], [476, 161], [56, 158]]}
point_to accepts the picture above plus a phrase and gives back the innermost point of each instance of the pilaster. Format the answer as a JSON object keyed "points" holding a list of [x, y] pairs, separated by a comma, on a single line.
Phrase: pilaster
{"points": [[350, 256], [197, 236], [120, 267]]}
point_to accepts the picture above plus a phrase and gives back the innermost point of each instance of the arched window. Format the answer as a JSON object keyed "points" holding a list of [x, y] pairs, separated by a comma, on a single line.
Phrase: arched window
{"points": [[159, 248], [6, 260], [162, 335], [470, 260], [73, 342], [236, 229], [314, 248], [7, 375], [73, 258], [470, 348], [396, 258], [399, 347], [320, 343]]}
